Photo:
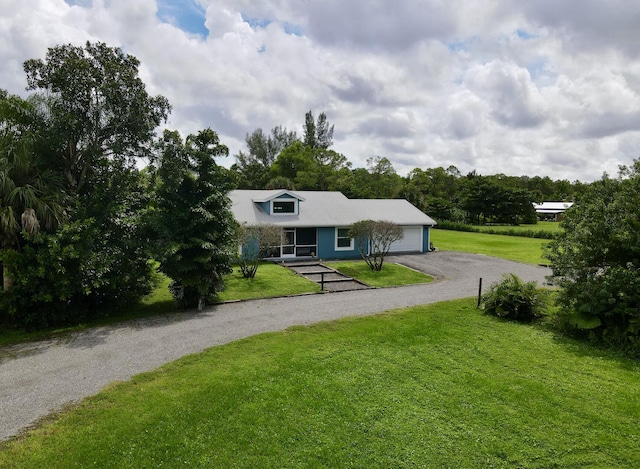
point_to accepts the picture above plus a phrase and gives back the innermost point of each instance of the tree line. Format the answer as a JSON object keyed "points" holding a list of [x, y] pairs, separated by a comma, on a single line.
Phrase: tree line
{"points": [[280, 159]]}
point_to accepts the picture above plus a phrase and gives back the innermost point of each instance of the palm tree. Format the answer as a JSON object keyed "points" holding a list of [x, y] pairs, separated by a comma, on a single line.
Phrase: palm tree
{"points": [[31, 193]]}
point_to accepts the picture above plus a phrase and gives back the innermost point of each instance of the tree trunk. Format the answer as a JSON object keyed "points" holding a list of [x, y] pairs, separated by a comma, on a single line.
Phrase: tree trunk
{"points": [[7, 280]]}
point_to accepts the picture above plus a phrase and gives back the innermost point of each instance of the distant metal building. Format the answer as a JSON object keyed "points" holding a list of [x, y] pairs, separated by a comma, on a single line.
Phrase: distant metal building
{"points": [[551, 211]]}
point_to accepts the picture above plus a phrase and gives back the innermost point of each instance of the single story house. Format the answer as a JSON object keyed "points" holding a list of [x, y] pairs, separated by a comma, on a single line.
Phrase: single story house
{"points": [[316, 223], [551, 210]]}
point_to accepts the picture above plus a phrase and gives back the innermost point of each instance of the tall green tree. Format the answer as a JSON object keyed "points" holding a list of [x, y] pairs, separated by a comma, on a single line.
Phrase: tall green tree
{"points": [[310, 164], [294, 159], [478, 199], [436, 191], [98, 104], [436, 182], [317, 133], [192, 216], [384, 181], [322, 171], [95, 119], [486, 200], [310, 168], [31, 193], [596, 259], [358, 185], [253, 166]]}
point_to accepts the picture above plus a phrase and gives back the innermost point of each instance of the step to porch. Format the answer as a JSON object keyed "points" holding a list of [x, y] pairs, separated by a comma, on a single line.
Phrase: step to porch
{"points": [[330, 279]]}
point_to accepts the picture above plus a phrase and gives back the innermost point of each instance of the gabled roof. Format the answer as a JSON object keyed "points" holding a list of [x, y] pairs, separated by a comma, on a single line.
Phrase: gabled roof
{"points": [[324, 209], [267, 195]]}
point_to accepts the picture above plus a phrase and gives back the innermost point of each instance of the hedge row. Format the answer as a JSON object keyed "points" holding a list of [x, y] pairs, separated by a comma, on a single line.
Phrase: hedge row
{"points": [[456, 226]]}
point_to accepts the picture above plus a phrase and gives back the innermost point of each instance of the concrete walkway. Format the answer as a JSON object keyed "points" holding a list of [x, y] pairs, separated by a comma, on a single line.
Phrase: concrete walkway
{"points": [[330, 279], [39, 378]]}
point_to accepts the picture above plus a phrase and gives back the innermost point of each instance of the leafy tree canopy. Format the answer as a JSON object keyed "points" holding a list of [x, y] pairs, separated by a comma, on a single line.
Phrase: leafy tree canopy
{"points": [[253, 167], [596, 259], [383, 179], [192, 216], [99, 106], [31, 193], [317, 134]]}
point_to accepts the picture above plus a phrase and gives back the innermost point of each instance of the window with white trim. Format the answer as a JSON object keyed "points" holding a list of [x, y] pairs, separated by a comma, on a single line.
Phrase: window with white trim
{"points": [[284, 207], [343, 241]]}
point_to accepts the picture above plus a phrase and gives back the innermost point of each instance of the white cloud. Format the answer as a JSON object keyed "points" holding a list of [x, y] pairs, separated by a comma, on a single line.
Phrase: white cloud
{"points": [[466, 115], [378, 24], [537, 88], [586, 26], [507, 89]]}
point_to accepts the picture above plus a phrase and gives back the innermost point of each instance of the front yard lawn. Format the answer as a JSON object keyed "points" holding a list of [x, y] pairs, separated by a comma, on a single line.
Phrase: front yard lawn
{"points": [[436, 386], [391, 274], [271, 280]]}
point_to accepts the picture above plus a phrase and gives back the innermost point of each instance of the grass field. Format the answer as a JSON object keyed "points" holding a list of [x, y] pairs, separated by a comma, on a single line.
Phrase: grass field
{"points": [[271, 280], [432, 386], [551, 227], [515, 248], [391, 274]]}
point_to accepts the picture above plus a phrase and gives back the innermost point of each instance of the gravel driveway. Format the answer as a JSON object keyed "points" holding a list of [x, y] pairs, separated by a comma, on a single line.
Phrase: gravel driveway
{"points": [[41, 377]]}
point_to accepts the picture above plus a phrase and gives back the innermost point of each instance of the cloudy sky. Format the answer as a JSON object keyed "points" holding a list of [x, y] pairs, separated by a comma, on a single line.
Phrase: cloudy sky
{"points": [[540, 87]]}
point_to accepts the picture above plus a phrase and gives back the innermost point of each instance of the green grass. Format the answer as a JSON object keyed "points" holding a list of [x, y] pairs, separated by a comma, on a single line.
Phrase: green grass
{"points": [[551, 227], [542, 230], [271, 280], [390, 275], [161, 295], [431, 386], [515, 248]]}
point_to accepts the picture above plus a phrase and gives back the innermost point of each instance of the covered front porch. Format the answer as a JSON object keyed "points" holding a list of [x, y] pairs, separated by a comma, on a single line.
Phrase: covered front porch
{"points": [[297, 243]]}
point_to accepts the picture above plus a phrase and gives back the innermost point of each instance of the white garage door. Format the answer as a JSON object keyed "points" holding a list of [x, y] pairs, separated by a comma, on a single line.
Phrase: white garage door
{"points": [[412, 240]]}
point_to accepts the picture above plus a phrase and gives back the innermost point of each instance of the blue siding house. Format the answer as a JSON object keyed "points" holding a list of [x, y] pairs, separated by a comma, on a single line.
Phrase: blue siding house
{"points": [[316, 223]]}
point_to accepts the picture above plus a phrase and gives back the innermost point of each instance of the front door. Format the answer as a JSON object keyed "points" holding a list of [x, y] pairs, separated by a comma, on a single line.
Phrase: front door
{"points": [[289, 243]]}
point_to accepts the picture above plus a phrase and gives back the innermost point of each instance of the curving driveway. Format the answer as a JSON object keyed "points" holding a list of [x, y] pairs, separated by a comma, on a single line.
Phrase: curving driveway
{"points": [[39, 378]]}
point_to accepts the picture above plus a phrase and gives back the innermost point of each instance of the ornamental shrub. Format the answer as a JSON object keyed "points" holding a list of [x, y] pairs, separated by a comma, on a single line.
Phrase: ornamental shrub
{"points": [[513, 298], [73, 275]]}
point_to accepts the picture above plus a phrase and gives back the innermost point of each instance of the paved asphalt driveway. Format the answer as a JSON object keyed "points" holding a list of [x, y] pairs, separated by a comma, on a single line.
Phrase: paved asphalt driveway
{"points": [[38, 378]]}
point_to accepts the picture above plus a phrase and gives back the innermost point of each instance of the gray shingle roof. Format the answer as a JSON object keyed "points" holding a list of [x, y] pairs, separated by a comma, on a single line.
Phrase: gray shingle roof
{"points": [[322, 208]]}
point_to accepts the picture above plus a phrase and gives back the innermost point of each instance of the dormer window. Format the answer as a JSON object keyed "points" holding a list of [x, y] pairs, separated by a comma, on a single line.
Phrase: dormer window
{"points": [[284, 207]]}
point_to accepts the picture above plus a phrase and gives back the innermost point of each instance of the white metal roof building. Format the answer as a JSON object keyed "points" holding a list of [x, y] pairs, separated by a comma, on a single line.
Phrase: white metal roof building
{"points": [[552, 210]]}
